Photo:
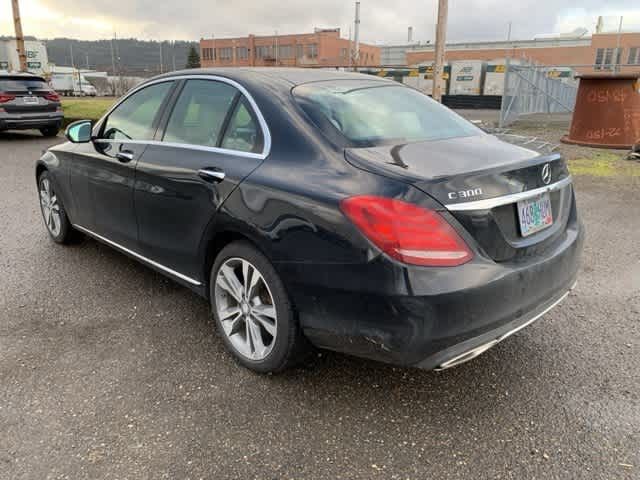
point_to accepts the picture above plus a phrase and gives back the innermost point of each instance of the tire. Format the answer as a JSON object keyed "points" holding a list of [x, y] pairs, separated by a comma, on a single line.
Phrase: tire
{"points": [[49, 131], [262, 332], [55, 218]]}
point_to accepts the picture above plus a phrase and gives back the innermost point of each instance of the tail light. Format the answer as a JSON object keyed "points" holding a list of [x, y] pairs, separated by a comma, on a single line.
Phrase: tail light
{"points": [[52, 97], [5, 97], [407, 232]]}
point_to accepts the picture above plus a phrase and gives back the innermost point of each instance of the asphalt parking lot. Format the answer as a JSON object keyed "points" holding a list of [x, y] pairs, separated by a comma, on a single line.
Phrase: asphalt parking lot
{"points": [[108, 370]]}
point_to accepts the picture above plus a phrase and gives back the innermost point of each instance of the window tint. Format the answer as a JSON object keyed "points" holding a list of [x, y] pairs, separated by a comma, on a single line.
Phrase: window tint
{"points": [[17, 84], [368, 113], [133, 118], [243, 132], [199, 113]]}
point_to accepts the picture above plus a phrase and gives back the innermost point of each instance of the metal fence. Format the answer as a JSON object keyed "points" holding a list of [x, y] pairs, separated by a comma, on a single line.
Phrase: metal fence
{"points": [[530, 89]]}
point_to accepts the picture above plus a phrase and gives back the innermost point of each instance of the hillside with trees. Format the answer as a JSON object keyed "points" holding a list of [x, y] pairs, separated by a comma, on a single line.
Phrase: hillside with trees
{"points": [[131, 56]]}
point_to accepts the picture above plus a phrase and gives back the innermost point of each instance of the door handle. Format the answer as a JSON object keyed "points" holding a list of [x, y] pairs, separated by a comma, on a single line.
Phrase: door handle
{"points": [[125, 156], [211, 175]]}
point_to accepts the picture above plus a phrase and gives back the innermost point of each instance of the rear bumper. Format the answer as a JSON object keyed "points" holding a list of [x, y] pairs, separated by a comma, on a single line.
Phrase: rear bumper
{"points": [[445, 314], [24, 121]]}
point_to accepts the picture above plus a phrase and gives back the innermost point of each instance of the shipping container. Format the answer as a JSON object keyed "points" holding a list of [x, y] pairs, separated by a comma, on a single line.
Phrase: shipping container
{"points": [[423, 80], [494, 77], [467, 77], [565, 74]]}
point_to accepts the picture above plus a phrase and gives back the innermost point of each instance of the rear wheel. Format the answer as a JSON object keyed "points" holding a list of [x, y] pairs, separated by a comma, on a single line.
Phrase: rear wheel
{"points": [[53, 213], [49, 131], [253, 312]]}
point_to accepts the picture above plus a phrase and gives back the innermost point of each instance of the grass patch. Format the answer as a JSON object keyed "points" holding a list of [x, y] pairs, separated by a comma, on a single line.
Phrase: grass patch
{"points": [[604, 164], [84, 108]]}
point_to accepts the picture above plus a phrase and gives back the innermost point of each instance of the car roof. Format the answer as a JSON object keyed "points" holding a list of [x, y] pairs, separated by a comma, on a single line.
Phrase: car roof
{"points": [[286, 76]]}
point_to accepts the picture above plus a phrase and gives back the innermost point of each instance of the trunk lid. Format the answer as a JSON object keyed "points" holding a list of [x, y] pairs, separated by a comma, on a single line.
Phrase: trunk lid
{"points": [[479, 180]]}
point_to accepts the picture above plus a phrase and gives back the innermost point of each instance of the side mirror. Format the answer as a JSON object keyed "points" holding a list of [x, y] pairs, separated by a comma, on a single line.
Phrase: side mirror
{"points": [[79, 132]]}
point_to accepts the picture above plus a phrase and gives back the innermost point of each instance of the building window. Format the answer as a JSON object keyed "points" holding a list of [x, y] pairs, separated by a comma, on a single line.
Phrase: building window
{"points": [[285, 51], [605, 58], [343, 53], [207, 53], [299, 51], [312, 50], [225, 53], [263, 51], [634, 56], [242, 53]]}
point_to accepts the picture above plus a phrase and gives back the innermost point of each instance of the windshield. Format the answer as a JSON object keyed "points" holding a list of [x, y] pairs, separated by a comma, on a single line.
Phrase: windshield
{"points": [[368, 113]]}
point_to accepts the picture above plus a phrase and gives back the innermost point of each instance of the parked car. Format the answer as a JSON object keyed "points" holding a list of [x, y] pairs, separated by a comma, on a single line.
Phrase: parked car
{"points": [[26, 102], [322, 208]]}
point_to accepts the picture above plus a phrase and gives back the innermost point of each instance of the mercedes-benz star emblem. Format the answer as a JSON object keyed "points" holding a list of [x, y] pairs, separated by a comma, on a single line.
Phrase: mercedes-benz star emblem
{"points": [[545, 174]]}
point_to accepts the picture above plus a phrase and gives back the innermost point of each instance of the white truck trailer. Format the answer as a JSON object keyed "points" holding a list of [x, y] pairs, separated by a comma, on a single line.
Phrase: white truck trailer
{"points": [[36, 51]]}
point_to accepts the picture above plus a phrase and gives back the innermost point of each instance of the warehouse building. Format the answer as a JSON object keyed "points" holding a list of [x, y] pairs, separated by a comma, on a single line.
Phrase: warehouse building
{"points": [[323, 47], [599, 52]]}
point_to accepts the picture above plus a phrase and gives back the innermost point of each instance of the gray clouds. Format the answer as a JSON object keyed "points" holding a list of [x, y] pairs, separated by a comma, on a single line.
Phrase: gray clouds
{"points": [[382, 21]]}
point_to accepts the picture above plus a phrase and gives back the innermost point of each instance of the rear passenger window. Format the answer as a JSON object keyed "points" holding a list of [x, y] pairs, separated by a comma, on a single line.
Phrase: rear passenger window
{"points": [[199, 113], [243, 133]]}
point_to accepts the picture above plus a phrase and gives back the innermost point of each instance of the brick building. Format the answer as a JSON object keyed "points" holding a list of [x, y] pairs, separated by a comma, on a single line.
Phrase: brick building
{"points": [[320, 48], [597, 52]]}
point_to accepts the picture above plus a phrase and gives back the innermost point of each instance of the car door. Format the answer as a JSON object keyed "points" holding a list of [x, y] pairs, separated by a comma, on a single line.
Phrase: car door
{"points": [[103, 173], [212, 139]]}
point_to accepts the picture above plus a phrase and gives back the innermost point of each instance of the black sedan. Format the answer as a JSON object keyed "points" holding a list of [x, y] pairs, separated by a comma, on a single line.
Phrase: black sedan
{"points": [[319, 208]]}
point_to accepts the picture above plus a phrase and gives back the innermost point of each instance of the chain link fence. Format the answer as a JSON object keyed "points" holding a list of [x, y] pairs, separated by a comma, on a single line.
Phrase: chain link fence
{"points": [[530, 89]]}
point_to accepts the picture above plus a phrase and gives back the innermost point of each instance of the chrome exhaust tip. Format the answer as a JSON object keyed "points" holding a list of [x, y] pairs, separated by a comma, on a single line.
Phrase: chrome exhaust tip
{"points": [[474, 352]]}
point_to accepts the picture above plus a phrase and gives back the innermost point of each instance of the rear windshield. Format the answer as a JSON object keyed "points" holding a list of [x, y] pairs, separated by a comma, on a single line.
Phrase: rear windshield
{"points": [[368, 113], [13, 84]]}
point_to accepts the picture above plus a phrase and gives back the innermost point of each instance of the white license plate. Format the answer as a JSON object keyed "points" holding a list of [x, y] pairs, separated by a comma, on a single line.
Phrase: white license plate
{"points": [[30, 100], [535, 214]]}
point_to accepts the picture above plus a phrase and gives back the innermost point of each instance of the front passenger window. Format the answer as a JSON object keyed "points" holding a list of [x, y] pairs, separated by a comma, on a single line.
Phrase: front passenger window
{"points": [[134, 118]]}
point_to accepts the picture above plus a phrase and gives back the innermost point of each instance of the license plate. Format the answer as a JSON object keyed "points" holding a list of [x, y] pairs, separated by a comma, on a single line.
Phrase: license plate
{"points": [[535, 214], [30, 100]]}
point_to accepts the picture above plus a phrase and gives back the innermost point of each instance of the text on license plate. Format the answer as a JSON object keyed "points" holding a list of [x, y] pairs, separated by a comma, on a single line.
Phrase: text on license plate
{"points": [[30, 100], [535, 214]]}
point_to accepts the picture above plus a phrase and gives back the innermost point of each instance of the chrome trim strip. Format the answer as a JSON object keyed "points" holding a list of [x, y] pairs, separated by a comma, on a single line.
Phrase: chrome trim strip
{"points": [[474, 352], [266, 149], [137, 255], [490, 203]]}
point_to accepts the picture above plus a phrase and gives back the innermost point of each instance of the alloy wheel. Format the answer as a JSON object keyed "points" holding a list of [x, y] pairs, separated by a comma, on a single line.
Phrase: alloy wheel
{"points": [[50, 207], [245, 308]]}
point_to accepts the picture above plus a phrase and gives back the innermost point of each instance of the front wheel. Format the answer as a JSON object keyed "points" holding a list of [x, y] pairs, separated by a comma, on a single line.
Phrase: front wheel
{"points": [[253, 312], [53, 213]]}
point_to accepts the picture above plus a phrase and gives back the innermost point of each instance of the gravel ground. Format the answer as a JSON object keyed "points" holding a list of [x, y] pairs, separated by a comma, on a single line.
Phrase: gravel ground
{"points": [[110, 371]]}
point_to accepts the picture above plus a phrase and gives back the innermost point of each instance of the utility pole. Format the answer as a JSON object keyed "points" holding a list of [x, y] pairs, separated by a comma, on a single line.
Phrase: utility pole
{"points": [[173, 55], [441, 38], [356, 35], [618, 55], [161, 61], [350, 48], [113, 60], [276, 40], [17, 23]]}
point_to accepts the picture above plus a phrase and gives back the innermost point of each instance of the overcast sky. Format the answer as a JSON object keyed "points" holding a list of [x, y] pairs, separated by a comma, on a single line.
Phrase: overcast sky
{"points": [[383, 21]]}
